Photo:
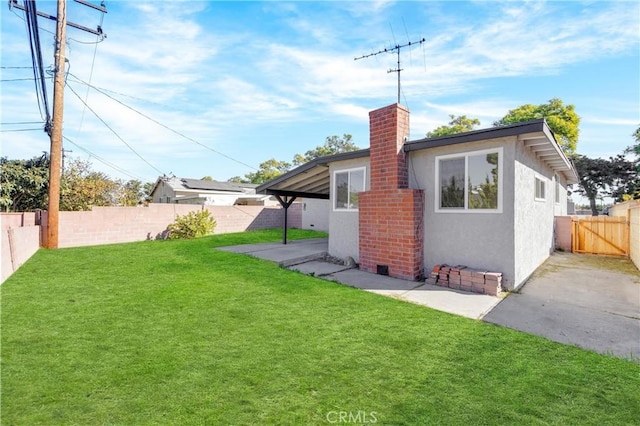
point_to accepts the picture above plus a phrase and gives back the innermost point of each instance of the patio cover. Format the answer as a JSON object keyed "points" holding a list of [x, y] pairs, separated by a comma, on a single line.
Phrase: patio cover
{"points": [[310, 180]]}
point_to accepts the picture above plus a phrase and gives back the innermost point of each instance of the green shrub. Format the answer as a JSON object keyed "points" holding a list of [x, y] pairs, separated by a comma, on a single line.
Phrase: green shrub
{"points": [[192, 225]]}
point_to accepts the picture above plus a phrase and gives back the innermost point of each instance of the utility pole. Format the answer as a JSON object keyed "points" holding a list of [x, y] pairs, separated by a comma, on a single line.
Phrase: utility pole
{"points": [[397, 48], [55, 127], [55, 158]]}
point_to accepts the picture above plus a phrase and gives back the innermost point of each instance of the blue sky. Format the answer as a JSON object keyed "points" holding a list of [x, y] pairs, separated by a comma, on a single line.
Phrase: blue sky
{"points": [[261, 80]]}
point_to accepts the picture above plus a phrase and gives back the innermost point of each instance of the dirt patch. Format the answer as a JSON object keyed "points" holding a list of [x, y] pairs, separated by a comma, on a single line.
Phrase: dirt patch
{"points": [[560, 260]]}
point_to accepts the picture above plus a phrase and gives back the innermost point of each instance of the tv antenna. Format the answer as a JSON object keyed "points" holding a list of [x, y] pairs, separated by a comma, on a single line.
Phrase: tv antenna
{"points": [[397, 48]]}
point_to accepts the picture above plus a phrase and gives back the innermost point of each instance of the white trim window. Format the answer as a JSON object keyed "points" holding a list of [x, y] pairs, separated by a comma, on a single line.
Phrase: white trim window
{"points": [[346, 185], [469, 182], [541, 189], [558, 188]]}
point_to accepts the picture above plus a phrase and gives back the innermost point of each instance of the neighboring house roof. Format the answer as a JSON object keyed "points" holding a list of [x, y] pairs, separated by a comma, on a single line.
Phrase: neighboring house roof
{"points": [[214, 185], [311, 180], [183, 186]]}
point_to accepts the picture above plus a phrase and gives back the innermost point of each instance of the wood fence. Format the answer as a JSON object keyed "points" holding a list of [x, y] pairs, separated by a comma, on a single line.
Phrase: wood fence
{"points": [[600, 235]]}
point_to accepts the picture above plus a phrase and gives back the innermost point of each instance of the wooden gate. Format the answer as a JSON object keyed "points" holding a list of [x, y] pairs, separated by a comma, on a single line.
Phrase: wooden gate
{"points": [[600, 235]]}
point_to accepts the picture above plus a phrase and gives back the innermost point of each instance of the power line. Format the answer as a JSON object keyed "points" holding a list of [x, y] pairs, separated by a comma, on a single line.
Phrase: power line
{"points": [[113, 131], [93, 61], [15, 123], [165, 126], [103, 161], [31, 21], [17, 79], [20, 130]]}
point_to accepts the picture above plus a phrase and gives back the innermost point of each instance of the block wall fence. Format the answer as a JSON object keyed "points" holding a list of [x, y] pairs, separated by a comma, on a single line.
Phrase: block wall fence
{"points": [[24, 233], [630, 209]]}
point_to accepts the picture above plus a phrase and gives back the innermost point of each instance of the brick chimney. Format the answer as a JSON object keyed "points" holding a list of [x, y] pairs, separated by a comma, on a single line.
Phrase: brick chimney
{"points": [[390, 214]]}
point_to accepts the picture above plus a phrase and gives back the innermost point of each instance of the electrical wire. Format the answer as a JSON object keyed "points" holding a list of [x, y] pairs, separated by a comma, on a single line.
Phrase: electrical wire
{"points": [[93, 61], [36, 58], [19, 130], [165, 126], [103, 161], [114, 132], [17, 79], [15, 123]]}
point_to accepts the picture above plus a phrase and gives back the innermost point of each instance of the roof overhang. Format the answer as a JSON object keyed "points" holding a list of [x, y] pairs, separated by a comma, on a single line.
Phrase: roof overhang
{"points": [[310, 180], [535, 135]]}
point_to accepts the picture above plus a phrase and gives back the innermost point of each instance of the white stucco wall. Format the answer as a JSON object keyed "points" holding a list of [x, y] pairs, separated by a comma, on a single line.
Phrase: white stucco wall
{"points": [[315, 214], [343, 225], [534, 219], [478, 240]]}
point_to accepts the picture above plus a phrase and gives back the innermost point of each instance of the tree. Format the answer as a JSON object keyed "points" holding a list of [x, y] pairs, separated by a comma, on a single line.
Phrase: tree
{"points": [[601, 177], [562, 119], [24, 183], [267, 170], [458, 124], [81, 188], [133, 193], [332, 145]]}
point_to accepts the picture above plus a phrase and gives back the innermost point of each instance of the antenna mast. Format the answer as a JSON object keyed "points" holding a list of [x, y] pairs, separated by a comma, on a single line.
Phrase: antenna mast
{"points": [[397, 48]]}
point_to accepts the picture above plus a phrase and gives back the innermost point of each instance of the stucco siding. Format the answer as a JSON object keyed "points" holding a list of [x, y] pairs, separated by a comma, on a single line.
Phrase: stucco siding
{"points": [[315, 214], [533, 218], [343, 225], [478, 240]]}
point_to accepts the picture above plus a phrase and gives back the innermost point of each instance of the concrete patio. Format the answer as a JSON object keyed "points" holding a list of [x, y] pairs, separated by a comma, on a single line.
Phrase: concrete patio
{"points": [[307, 257]]}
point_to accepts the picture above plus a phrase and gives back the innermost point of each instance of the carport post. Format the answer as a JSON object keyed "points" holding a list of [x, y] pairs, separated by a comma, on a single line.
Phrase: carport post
{"points": [[285, 203]]}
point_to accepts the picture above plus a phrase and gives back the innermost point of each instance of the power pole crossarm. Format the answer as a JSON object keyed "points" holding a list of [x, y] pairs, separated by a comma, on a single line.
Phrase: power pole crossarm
{"points": [[97, 31], [395, 48]]}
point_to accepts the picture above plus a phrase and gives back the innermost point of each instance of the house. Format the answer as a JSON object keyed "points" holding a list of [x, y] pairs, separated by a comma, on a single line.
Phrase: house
{"points": [[206, 192], [485, 199]]}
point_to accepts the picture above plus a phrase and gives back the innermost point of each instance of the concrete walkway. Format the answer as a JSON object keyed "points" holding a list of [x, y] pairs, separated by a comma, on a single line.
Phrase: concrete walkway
{"points": [[306, 256]]}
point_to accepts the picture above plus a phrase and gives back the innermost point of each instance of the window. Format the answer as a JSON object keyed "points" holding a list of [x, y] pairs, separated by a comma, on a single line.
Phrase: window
{"points": [[347, 185], [470, 182], [540, 189], [558, 189]]}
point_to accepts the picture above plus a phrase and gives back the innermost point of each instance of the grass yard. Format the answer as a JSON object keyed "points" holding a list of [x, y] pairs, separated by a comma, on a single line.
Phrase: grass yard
{"points": [[174, 332]]}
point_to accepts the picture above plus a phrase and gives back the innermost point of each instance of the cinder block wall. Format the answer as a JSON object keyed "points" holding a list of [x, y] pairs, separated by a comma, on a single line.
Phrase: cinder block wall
{"points": [[563, 233], [391, 236], [109, 225], [18, 244]]}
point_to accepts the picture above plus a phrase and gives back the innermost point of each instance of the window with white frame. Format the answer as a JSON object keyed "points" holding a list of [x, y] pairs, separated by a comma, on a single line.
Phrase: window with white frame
{"points": [[469, 182], [347, 184], [558, 189], [540, 194]]}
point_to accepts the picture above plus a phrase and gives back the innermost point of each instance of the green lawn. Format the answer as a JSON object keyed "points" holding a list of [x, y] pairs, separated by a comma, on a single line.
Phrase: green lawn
{"points": [[174, 332]]}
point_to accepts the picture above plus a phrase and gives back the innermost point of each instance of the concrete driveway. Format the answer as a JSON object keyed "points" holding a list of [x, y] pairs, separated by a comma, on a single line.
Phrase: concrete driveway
{"points": [[589, 301]]}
